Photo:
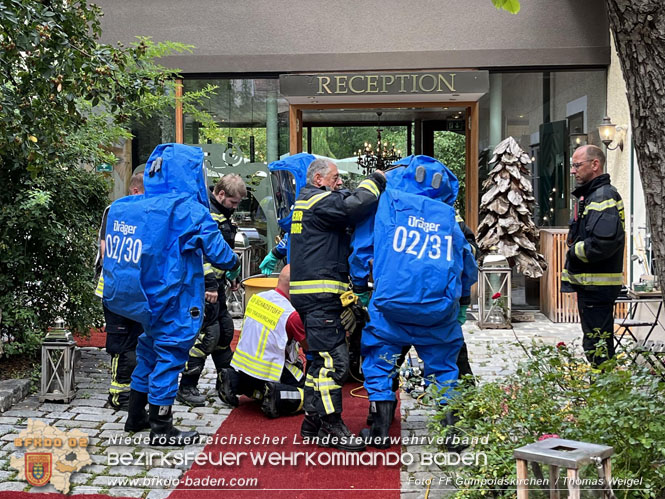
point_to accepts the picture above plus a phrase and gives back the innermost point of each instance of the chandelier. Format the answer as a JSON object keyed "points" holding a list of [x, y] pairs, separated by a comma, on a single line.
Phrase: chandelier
{"points": [[385, 154]]}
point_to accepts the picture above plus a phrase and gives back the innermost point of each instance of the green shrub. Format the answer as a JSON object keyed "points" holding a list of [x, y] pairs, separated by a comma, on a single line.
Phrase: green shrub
{"points": [[65, 101], [554, 391]]}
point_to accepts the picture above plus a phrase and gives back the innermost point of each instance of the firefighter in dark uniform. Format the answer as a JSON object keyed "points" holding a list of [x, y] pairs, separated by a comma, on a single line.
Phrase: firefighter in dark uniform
{"points": [[594, 262], [217, 331], [319, 276]]}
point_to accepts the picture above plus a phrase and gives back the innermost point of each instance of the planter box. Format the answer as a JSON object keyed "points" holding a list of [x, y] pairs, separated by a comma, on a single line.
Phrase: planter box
{"points": [[558, 306]]}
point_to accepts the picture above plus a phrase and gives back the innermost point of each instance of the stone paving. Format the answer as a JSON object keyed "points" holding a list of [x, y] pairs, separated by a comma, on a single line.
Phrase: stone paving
{"points": [[493, 354], [103, 425]]}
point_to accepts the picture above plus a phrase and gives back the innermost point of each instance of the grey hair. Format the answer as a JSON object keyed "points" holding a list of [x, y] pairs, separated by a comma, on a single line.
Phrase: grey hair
{"points": [[320, 166]]}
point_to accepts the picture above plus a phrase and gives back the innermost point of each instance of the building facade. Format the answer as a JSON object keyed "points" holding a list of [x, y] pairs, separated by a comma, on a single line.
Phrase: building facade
{"points": [[288, 72]]}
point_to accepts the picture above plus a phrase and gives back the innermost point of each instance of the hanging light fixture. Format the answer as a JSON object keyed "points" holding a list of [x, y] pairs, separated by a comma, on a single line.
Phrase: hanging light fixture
{"points": [[385, 154], [606, 129]]}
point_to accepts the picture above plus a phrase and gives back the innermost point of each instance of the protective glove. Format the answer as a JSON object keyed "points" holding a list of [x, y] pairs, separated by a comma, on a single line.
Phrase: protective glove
{"points": [[268, 264], [461, 316], [348, 319], [363, 298], [232, 275]]}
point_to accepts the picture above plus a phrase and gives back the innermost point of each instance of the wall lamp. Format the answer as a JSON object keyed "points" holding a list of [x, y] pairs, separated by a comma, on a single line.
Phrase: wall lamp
{"points": [[608, 130]]}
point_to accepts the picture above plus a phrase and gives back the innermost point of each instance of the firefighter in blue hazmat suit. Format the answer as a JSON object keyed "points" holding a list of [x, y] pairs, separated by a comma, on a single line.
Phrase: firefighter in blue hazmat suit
{"points": [[153, 274], [288, 175], [422, 267]]}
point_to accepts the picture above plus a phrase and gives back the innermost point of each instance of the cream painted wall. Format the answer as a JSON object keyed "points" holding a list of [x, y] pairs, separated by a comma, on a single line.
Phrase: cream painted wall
{"points": [[347, 35], [618, 162]]}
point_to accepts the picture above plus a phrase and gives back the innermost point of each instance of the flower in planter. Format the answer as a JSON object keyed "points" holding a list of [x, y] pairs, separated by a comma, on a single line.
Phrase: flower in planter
{"points": [[496, 295], [561, 345]]}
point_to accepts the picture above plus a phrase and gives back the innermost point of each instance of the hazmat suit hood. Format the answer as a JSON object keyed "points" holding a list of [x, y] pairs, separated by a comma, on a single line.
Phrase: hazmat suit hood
{"points": [[177, 169], [289, 175], [405, 179]]}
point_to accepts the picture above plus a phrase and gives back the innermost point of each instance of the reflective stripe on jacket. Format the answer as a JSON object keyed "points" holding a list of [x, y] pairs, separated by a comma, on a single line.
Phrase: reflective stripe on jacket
{"points": [[320, 242], [261, 351], [596, 237]]}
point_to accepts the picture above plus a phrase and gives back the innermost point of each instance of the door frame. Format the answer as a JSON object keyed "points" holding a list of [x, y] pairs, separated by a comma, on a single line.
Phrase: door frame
{"points": [[472, 138]]}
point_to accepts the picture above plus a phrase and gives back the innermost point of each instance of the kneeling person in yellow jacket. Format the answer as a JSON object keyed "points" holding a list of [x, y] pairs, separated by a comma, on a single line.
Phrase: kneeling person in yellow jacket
{"points": [[265, 364]]}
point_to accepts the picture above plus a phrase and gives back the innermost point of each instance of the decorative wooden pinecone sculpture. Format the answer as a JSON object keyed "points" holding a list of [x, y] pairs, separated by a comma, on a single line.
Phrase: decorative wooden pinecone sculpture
{"points": [[506, 209]]}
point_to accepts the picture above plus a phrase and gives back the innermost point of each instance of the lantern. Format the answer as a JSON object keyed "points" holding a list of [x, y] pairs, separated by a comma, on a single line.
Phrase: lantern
{"points": [[58, 359], [494, 303]]}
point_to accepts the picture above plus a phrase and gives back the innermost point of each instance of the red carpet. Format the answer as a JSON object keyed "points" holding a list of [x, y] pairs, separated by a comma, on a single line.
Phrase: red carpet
{"points": [[37, 495], [304, 479]]}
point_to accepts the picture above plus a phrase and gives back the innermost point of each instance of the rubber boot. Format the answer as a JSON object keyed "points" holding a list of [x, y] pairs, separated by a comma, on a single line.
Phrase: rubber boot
{"points": [[162, 431], [383, 412], [370, 414], [311, 424], [137, 416], [280, 399], [334, 433]]}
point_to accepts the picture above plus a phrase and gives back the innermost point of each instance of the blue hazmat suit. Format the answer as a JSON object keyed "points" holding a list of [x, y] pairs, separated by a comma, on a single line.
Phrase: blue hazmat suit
{"points": [[289, 175], [153, 269], [422, 266]]}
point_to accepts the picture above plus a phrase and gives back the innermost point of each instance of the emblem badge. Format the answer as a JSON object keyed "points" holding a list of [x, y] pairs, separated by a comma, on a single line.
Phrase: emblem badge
{"points": [[37, 468]]}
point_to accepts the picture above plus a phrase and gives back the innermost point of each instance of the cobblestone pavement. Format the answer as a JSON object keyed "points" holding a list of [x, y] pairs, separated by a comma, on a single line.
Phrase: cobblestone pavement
{"points": [[105, 429], [493, 354]]}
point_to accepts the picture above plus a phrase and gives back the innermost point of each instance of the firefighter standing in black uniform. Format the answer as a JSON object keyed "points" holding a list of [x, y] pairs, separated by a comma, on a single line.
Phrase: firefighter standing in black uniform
{"points": [[217, 331], [594, 262], [319, 276]]}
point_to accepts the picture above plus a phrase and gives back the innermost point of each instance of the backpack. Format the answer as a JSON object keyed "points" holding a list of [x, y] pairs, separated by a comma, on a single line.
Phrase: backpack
{"points": [[418, 259]]}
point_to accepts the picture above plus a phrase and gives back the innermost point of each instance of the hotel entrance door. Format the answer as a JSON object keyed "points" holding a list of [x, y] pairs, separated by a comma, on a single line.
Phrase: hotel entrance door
{"points": [[427, 123]]}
